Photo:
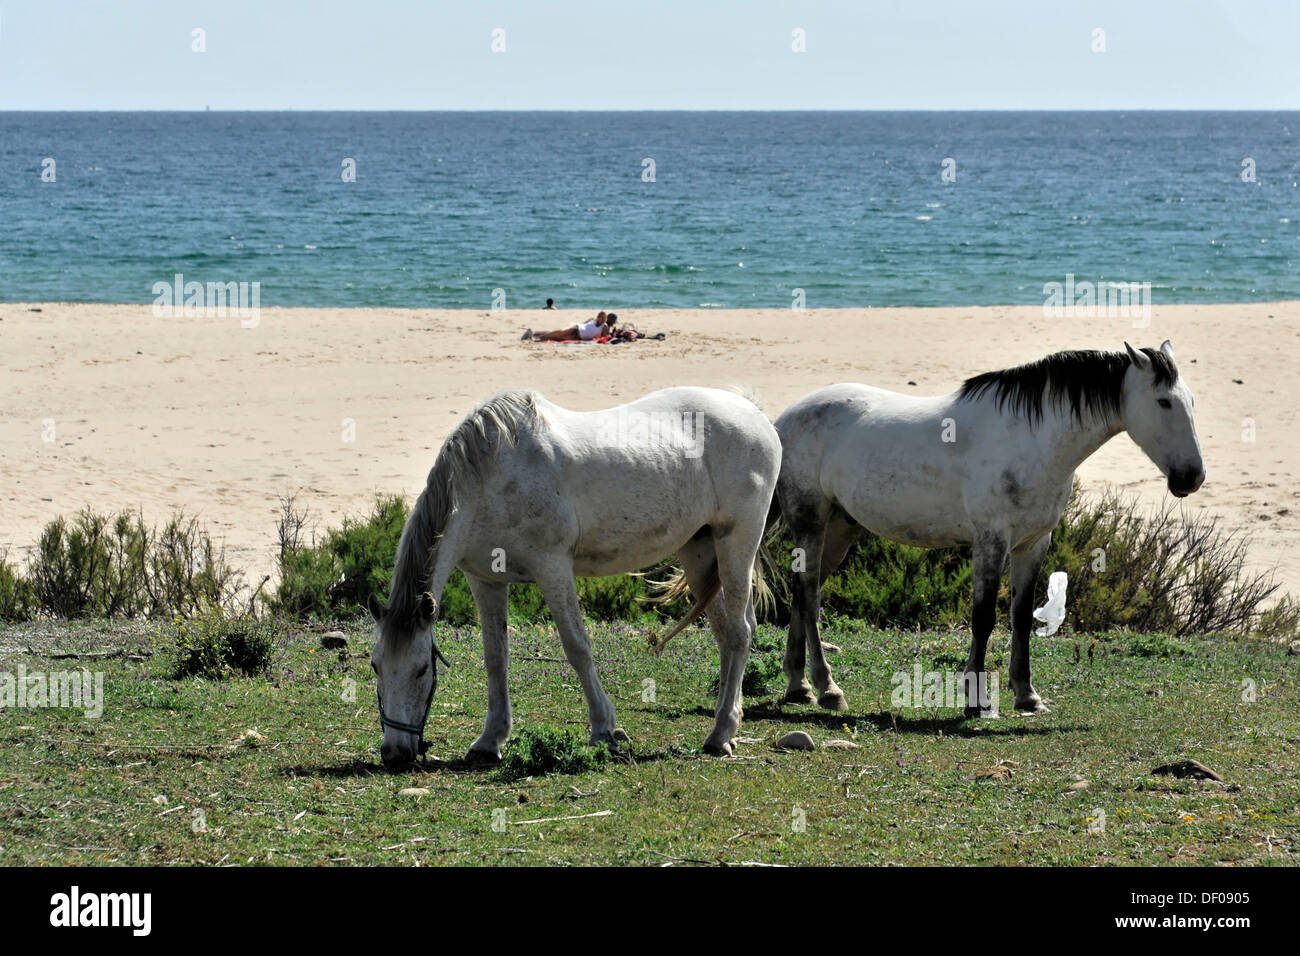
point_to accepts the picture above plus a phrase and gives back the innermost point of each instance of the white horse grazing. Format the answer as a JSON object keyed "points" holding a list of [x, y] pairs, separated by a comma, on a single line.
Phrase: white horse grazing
{"points": [[990, 465], [524, 490]]}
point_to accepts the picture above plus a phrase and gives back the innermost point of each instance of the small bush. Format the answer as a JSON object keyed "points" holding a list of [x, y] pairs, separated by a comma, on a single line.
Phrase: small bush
{"points": [[105, 566], [188, 571], [1153, 645], [1162, 570], [333, 578], [215, 644], [541, 750], [16, 602]]}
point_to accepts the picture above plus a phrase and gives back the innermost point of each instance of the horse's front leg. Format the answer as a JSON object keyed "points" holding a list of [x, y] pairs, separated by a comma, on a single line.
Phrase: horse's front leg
{"points": [[562, 599], [988, 554], [492, 598], [1025, 565]]}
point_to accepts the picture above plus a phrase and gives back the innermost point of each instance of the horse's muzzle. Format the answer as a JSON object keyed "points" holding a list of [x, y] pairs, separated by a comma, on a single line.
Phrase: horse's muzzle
{"points": [[1183, 481], [396, 756]]}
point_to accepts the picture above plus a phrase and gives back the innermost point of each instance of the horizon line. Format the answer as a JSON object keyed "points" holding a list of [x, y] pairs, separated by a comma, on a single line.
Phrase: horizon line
{"points": [[819, 109]]}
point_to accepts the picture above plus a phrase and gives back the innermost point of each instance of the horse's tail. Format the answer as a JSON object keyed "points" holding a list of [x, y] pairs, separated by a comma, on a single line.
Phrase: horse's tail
{"points": [[675, 585], [747, 392]]}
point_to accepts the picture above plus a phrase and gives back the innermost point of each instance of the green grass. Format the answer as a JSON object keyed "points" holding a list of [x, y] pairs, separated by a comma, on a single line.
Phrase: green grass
{"points": [[81, 792]]}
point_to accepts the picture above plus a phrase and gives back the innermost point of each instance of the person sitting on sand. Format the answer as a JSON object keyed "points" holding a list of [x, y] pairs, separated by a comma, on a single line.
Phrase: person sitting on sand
{"points": [[592, 328]]}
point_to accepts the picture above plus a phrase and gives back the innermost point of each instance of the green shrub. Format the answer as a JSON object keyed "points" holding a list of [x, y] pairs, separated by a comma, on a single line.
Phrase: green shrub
{"points": [[16, 601], [187, 571], [332, 579], [1153, 645], [535, 751], [215, 644], [1161, 571], [114, 566], [880, 583]]}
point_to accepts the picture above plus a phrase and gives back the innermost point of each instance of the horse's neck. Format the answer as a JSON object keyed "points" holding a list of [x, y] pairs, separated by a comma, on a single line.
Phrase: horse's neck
{"points": [[1073, 442], [448, 549]]}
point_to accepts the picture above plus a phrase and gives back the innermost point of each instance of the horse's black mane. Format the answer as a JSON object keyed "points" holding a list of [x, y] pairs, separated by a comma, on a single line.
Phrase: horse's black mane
{"points": [[1087, 382]]}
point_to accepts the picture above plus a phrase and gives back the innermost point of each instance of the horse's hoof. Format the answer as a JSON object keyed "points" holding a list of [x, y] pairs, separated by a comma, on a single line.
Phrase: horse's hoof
{"points": [[1032, 706], [832, 699], [717, 750], [482, 758], [799, 695], [620, 736]]}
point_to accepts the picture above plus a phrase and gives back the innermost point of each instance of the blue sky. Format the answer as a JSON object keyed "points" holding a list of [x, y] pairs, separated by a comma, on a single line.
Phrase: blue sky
{"points": [[658, 54]]}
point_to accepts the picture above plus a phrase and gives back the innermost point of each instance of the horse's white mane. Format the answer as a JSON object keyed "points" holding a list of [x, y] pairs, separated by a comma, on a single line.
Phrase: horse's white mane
{"points": [[497, 421]]}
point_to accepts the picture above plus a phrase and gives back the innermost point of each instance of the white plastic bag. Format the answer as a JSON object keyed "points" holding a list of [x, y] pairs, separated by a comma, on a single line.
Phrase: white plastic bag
{"points": [[1053, 612]]}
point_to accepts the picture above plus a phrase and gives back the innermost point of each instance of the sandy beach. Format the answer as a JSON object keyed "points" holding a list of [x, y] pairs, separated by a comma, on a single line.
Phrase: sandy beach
{"points": [[112, 407]]}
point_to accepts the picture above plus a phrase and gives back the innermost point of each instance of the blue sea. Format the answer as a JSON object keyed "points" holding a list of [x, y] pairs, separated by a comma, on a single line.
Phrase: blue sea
{"points": [[733, 209]]}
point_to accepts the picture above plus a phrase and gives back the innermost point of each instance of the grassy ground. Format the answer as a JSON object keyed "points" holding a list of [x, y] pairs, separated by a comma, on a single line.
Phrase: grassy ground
{"points": [[164, 776]]}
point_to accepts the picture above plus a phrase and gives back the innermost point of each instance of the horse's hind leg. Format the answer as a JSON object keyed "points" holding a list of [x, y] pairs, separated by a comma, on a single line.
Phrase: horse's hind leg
{"points": [[562, 599], [988, 555], [807, 524], [823, 541], [841, 532], [699, 561], [491, 598], [1025, 565], [735, 550]]}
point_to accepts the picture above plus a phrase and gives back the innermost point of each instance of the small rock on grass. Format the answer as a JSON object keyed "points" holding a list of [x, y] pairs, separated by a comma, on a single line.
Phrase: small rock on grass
{"points": [[413, 792], [796, 740], [1001, 770], [250, 738], [839, 745], [1079, 785], [333, 640], [1294, 649]]}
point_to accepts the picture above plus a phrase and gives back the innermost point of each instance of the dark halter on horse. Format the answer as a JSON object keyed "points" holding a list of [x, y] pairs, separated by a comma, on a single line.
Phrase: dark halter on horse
{"points": [[435, 655]]}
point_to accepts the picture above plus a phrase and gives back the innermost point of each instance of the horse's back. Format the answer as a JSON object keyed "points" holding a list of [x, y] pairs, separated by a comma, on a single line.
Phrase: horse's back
{"points": [[880, 456], [620, 488]]}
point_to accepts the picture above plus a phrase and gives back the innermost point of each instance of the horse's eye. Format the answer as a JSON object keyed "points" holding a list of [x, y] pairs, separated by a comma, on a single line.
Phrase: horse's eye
{"points": [[1164, 403], [422, 671], [374, 668]]}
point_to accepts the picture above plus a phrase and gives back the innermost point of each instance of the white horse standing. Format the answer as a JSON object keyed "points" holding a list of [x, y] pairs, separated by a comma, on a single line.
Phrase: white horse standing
{"points": [[990, 465], [524, 490]]}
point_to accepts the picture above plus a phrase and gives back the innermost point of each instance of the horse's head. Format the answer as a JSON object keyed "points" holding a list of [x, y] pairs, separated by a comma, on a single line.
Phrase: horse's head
{"points": [[405, 662], [1158, 416]]}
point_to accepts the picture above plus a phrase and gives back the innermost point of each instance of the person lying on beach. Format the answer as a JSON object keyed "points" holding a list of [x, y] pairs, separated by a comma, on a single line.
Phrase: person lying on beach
{"points": [[585, 331]]}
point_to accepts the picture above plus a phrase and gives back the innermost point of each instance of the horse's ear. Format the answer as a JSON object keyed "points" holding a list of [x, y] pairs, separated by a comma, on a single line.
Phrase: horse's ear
{"points": [[428, 607], [1167, 348], [1140, 361], [376, 608]]}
